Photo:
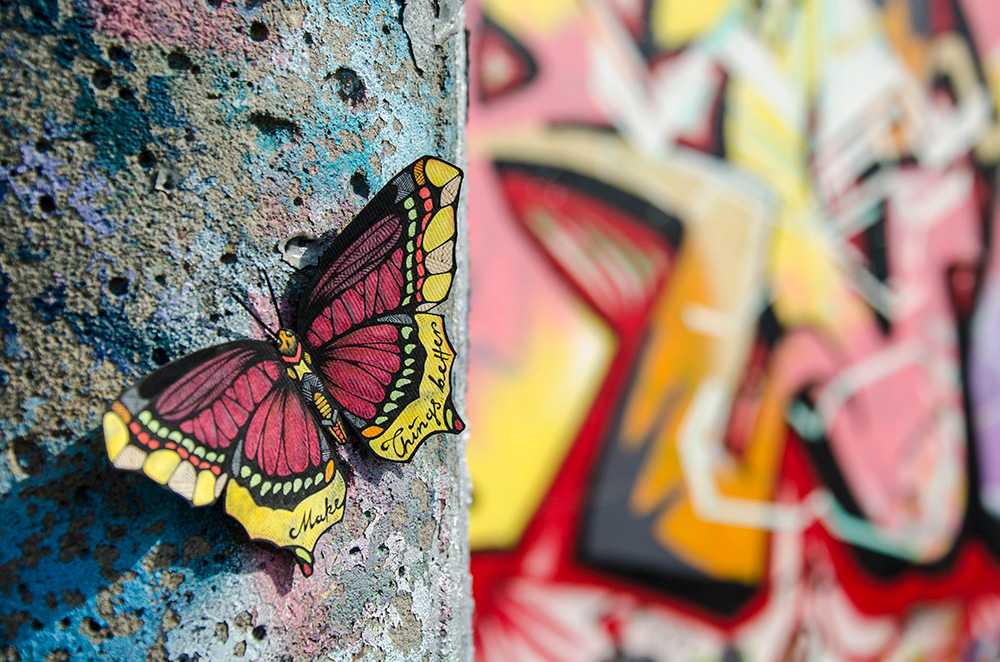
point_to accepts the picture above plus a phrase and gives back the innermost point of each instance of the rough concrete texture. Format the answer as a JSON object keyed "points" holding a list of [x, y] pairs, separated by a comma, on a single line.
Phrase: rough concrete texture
{"points": [[154, 157]]}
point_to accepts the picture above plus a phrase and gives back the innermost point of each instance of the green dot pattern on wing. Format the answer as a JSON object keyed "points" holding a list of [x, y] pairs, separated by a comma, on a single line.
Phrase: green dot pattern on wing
{"points": [[268, 487], [163, 432]]}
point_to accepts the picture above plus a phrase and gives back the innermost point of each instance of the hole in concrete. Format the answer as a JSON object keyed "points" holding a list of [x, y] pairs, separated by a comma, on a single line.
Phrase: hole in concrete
{"points": [[359, 182], [101, 79], [125, 94], [47, 204], [386, 29], [215, 4], [65, 623], [351, 87], [195, 69], [355, 551], [297, 201], [272, 124], [43, 146], [118, 286], [259, 632], [81, 496], [308, 38], [37, 625], [166, 179], [28, 455], [258, 31], [117, 53], [178, 60], [228, 257], [161, 280], [160, 356], [147, 159]]}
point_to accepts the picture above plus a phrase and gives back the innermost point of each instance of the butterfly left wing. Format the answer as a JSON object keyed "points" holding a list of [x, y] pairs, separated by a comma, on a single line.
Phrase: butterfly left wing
{"points": [[229, 418], [364, 320]]}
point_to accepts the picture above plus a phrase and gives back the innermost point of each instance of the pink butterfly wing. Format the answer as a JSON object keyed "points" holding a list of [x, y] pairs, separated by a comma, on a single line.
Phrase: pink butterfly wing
{"points": [[229, 410], [359, 366], [362, 282], [360, 317], [213, 400], [283, 438]]}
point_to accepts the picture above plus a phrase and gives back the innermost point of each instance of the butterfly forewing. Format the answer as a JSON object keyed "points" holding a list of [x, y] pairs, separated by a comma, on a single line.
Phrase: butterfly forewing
{"points": [[181, 424], [385, 360]]}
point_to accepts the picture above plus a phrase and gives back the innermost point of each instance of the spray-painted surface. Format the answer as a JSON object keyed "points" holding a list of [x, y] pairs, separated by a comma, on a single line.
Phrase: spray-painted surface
{"points": [[734, 373], [154, 156]]}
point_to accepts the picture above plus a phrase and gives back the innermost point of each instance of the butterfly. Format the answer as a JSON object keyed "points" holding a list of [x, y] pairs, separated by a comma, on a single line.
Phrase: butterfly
{"points": [[368, 360]]}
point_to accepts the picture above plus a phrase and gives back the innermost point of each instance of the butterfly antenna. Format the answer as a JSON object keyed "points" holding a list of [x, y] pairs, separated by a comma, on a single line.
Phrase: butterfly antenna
{"points": [[274, 299], [257, 319]]}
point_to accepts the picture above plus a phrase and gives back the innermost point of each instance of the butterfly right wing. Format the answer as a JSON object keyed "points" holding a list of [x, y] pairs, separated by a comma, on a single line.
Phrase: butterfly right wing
{"points": [[364, 317]]}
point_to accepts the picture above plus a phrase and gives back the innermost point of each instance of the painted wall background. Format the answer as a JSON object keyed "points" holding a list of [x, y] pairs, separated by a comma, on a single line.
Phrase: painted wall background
{"points": [[154, 157], [734, 317]]}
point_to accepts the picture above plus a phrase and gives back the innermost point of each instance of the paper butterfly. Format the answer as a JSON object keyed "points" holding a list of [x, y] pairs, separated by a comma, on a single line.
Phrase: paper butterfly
{"points": [[255, 419]]}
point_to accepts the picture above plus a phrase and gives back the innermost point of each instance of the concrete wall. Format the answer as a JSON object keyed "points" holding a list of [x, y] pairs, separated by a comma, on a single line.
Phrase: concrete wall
{"points": [[154, 157]]}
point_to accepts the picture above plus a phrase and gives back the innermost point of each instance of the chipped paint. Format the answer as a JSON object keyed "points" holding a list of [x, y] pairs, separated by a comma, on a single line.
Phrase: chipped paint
{"points": [[153, 157]]}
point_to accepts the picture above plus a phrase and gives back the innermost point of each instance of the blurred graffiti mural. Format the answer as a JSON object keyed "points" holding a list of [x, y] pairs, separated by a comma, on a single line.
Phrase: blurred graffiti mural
{"points": [[735, 368]]}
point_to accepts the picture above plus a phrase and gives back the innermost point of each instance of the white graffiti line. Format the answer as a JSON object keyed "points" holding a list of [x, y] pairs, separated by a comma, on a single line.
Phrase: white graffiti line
{"points": [[650, 110], [732, 323], [700, 443], [864, 373]]}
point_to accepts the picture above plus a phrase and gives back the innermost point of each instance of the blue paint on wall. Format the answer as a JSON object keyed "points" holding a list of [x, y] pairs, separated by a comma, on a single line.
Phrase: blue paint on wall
{"points": [[122, 131]]}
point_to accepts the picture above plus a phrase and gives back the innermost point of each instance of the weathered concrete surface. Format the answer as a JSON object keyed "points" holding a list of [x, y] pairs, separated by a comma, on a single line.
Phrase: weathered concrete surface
{"points": [[152, 157]]}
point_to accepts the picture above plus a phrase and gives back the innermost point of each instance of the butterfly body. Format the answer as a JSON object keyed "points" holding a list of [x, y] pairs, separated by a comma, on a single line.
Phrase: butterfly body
{"points": [[299, 368], [368, 360]]}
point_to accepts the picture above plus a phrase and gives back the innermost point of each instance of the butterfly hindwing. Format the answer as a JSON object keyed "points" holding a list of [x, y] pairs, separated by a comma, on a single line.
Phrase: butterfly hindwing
{"points": [[393, 379], [363, 318], [286, 488]]}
